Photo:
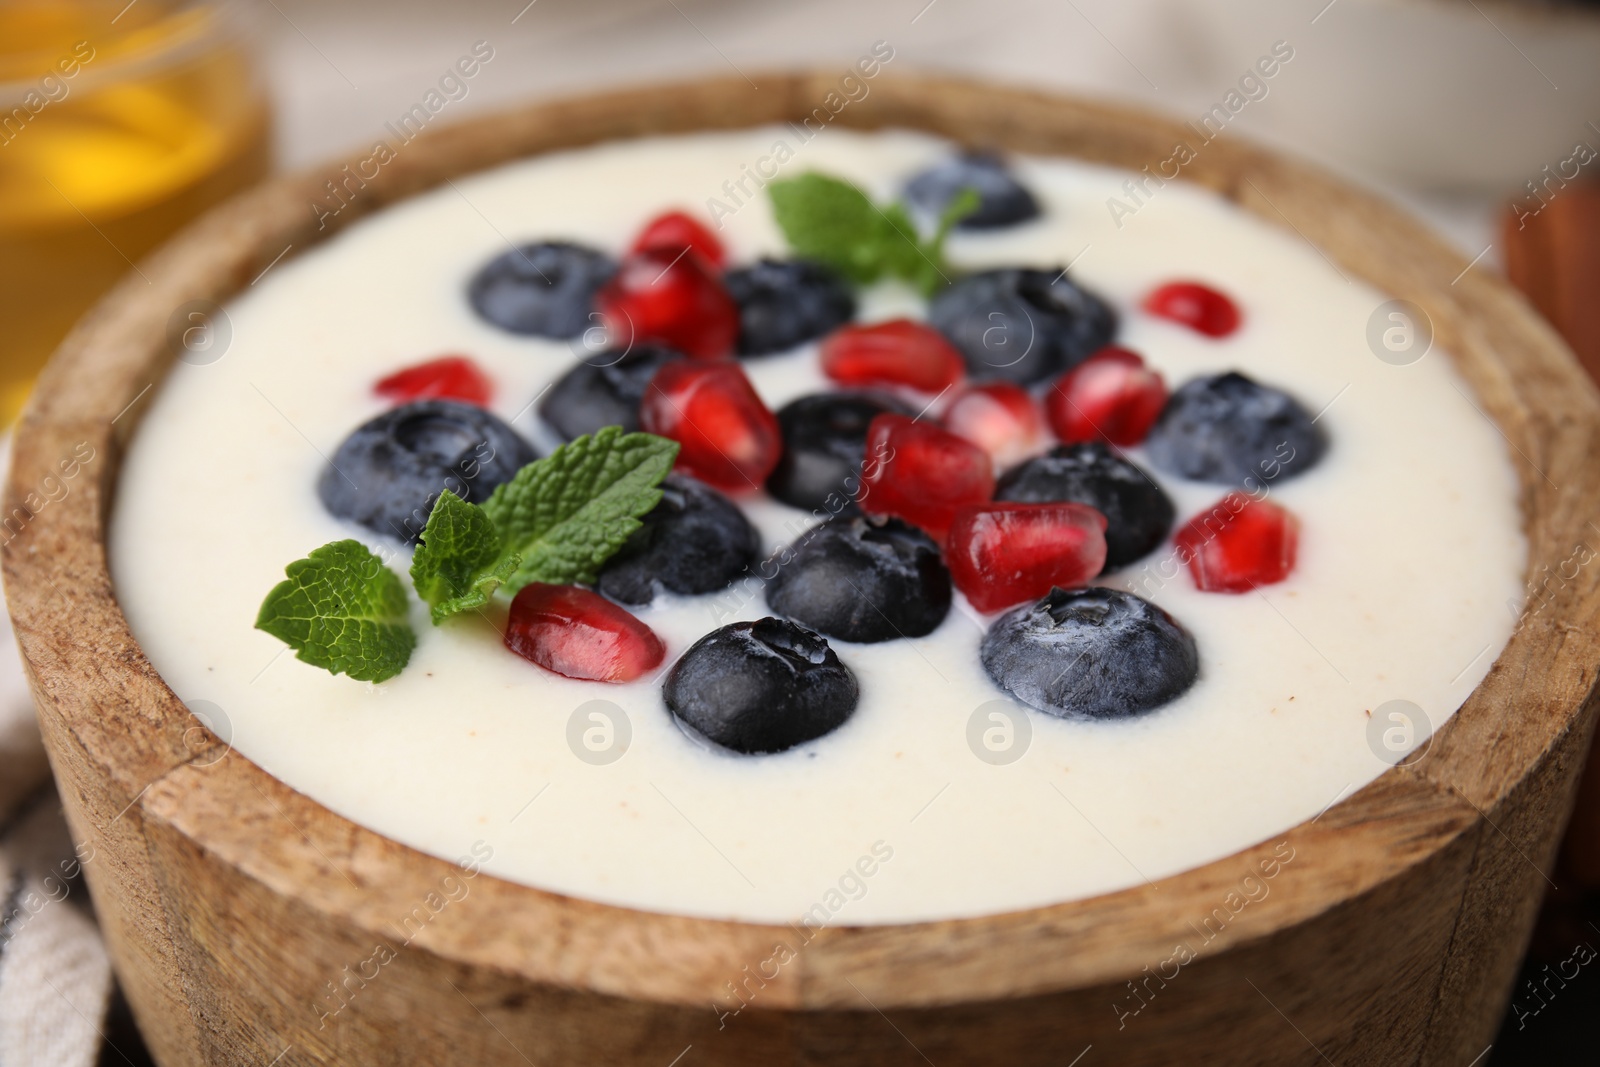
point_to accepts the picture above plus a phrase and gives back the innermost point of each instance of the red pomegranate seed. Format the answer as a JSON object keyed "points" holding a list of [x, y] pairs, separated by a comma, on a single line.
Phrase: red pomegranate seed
{"points": [[1001, 418], [897, 352], [922, 474], [1196, 306], [1239, 544], [729, 437], [1111, 396], [580, 634], [664, 298], [677, 230], [445, 378], [1004, 554]]}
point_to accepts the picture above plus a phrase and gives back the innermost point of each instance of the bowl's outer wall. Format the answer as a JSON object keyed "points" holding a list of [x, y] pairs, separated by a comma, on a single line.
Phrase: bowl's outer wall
{"points": [[250, 925]]}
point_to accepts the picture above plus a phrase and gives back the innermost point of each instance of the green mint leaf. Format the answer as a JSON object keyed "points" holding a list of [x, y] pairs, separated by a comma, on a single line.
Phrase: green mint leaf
{"points": [[831, 221], [566, 514], [902, 252], [461, 561], [964, 204], [919, 262], [922, 263], [343, 610]]}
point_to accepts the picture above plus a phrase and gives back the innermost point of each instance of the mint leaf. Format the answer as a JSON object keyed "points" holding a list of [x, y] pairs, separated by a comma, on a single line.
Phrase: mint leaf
{"points": [[964, 204], [461, 561], [566, 514], [831, 221], [343, 610], [919, 262], [922, 262]]}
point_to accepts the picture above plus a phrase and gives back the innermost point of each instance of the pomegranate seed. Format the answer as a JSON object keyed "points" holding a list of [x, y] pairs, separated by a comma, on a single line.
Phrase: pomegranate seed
{"points": [[1111, 396], [1196, 306], [897, 352], [922, 474], [676, 230], [580, 634], [670, 299], [1239, 544], [729, 437], [1001, 418], [445, 378], [1003, 554]]}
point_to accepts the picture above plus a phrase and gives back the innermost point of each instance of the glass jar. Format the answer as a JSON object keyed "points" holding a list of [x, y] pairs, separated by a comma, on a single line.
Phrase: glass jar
{"points": [[119, 122]]}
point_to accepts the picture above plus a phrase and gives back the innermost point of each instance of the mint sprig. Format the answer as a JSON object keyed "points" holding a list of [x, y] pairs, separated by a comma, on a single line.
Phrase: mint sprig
{"points": [[829, 220], [340, 608], [461, 560], [557, 520], [568, 513]]}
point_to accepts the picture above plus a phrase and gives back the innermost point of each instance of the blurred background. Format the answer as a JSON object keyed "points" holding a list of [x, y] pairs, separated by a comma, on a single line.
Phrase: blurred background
{"points": [[121, 120]]}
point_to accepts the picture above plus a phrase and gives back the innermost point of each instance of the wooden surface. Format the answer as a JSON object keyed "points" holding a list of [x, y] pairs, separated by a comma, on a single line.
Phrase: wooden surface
{"points": [[235, 906], [1553, 255]]}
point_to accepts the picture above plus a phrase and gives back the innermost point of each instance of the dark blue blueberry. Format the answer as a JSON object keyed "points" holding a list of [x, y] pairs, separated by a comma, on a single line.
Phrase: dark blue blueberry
{"points": [[389, 471], [824, 445], [1230, 429], [1091, 654], [603, 390], [695, 541], [861, 580], [1002, 200], [759, 687], [783, 303], [1022, 325], [545, 289], [1138, 514]]}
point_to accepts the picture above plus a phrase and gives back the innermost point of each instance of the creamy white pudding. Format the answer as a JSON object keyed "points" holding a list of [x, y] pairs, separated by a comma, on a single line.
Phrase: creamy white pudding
{"points": [[1406, 588]]}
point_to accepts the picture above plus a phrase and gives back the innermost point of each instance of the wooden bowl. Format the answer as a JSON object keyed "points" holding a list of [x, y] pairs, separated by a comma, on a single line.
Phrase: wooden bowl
{"points": [[241, 914]]}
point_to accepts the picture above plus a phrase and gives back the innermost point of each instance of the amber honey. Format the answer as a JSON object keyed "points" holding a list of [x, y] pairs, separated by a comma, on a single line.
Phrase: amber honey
{"points": [[118, 123]]}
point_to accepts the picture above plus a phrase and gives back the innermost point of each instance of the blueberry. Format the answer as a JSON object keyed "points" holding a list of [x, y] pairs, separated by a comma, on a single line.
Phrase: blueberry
{"points": [[695, 541], [389, 471], [1091, 654], [1138, 514], [545, 289], [1022, 325], [758, 687], [824, 446], [603, 390], [1228, 428], [861, 580], [783, 303], [1002, 200]]}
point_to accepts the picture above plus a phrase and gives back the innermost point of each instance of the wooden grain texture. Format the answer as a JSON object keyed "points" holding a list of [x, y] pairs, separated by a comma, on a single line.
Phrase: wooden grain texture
{"points": [[249, 923], [1552, 254]]}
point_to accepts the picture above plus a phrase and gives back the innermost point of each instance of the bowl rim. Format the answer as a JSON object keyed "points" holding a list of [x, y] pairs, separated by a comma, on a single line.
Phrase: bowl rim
{"points": [[107, 712]]}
